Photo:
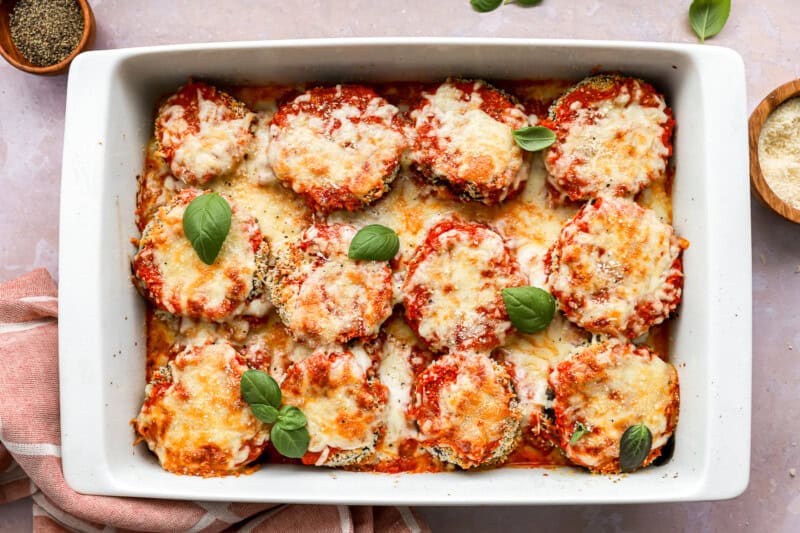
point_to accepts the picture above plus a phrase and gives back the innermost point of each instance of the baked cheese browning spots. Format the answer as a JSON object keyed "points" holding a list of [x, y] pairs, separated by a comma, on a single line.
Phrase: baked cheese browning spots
{"points": [[172, 276], [453, 288], [163, 333], [609, 387], [202, 133], [322, 295], [463, 140], [156, 187], [282, 217], [613, 135], [616, 268], [256, 164], [528, 359], [401, 358], [466, 410], [270, 348], [194, 418], [338, 147], [343, 403]]}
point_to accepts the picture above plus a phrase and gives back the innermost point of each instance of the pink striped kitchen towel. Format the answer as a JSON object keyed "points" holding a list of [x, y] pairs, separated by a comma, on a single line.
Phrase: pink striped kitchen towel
{"points": [[30, 451]]}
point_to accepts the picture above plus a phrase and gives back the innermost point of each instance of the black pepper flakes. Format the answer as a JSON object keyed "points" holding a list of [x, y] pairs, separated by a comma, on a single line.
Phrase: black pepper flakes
{"points": [[46, 31]]}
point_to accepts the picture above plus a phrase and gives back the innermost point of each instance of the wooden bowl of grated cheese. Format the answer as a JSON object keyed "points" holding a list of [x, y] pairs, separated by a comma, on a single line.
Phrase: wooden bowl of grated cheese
{"points": [[775, 151]]}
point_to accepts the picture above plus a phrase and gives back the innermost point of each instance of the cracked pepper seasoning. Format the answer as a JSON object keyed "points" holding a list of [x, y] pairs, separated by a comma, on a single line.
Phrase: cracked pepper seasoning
{"points": [[46, 31]]}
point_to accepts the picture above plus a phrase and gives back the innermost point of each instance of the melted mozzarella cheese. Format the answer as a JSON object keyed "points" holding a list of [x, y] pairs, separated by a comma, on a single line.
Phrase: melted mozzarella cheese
{"points": [[215, 149], [610, 387], [465, 402], [269, 347], [325, 297], [461, 292], [613, 143], [531, 357], [220, 289], [327, 390], [157, 186], [475, 418], [529, 222], [471, 135], [256, 164], [396, 373], [202, 410], [281, 217], [616, 259], [347, 146]]}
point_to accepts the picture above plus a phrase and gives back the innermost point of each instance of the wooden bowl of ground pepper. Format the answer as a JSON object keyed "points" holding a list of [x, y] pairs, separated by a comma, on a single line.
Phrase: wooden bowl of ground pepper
{"points": [[44, 36]]}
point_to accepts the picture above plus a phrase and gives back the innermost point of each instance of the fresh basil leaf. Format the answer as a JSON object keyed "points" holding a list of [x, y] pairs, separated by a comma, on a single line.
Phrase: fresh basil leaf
{"points": [[534, 138], [206, 223], [708, 17], [265, 413], [374, 243], [259, 388], [290, 443], [290, 417], [634, 447], [580, 431], [484, 6], [527, 3], [530, 309]]}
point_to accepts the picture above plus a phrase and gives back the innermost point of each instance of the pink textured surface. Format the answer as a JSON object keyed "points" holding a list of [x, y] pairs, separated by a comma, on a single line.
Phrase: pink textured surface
{"points": [[765, 33]]}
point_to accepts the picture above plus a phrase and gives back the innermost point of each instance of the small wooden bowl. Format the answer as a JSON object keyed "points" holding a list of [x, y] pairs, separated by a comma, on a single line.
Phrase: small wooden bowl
{"points": [[757, 119], [13, 56]]}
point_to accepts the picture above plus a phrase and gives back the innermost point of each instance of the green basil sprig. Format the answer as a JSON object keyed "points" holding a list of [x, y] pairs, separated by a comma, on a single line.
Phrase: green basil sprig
{"points": [[534, 138], [634, 447], [290, 443], [260, 388], [708, 17], [484, 6], [374, 243], [289, 433], [580, 431], [291, 418], [206, 223], [530, 309]]}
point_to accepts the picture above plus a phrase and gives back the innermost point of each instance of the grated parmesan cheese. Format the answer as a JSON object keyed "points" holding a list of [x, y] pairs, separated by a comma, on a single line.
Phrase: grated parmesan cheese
{"points": [[779, 151]]}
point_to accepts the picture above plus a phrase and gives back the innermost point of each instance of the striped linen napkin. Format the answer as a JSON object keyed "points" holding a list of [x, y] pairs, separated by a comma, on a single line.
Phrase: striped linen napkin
{"points": [[30, 451]]}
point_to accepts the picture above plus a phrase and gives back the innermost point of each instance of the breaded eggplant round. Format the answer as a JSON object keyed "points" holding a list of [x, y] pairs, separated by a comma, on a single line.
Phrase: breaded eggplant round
{"points": [[453, 287], [613, 136], [324, 297], [338, 147], [463, 140], [343, 403], [466, 410], [194, 417], [616, 268], [607, 388], [202, 133], [169, 273]]}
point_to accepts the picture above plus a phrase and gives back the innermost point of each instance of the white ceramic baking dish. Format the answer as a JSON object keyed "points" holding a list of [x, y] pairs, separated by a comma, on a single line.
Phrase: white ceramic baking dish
{"points": [[110, 102]]}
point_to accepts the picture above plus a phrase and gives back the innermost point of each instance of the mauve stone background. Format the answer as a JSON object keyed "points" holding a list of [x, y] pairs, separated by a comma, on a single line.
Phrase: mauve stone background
{"points": [[765, 33]]}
